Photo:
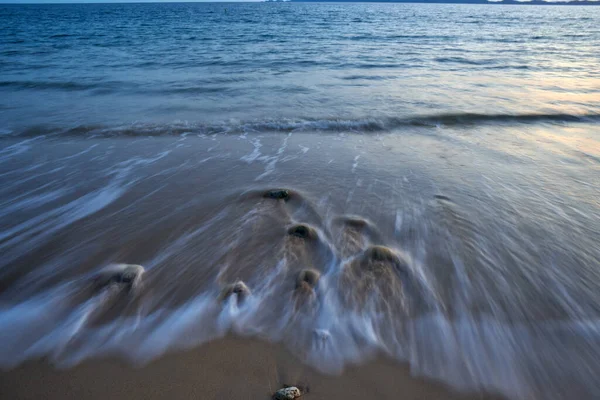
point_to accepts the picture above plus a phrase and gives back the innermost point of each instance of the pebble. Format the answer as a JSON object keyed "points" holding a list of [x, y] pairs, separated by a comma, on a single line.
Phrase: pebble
{"points": [[288, 393]]}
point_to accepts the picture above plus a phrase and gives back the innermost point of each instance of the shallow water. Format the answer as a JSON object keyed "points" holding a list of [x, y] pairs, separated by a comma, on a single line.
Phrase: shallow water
{"points": [[71, 65], [479, 177]]}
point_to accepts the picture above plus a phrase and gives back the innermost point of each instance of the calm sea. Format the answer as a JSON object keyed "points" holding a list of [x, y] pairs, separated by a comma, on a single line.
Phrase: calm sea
{"points": [[79, 65]]}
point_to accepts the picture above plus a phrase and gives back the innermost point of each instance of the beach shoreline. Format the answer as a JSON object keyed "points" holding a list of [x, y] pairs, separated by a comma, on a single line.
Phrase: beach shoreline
{"points": [[391, 225], [231, 367]]}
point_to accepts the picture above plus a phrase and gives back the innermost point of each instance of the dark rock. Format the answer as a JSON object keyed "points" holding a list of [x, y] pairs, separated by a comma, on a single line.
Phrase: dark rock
{"points": [[307, 277], [304, 293], [278, 194], [287, 393], [126, 275], [303, 231]]}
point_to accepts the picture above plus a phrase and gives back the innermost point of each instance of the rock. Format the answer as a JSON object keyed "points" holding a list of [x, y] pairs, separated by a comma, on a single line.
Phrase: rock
{"points": [[238, 288], [303, 231], [288, 393], [126, 275], [382, 254], [304, 292], [278, 194], [307, 277], [382, 261], [355, 222]]}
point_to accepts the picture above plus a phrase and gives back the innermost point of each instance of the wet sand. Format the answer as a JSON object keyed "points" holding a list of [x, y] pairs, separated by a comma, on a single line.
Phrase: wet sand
{"points": [[469, 259], [230, 368]]}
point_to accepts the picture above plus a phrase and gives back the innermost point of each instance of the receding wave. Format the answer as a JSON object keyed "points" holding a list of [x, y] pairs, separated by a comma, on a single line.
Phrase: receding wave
{"points": [[359, 298], [333, 125]]}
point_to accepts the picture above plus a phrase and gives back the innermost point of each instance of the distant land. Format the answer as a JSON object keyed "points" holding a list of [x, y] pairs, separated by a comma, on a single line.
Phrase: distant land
{"points": [[532, 2]]}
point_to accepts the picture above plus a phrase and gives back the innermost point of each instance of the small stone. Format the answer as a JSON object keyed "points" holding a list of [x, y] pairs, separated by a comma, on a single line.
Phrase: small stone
{"points": [[308, 277], [238, 288], [288, 393], [127, 275]]}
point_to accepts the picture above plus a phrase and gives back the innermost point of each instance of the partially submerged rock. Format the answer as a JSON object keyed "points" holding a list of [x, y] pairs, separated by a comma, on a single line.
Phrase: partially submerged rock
{"points": [[304, 292], [126, 275], [278, 194], [303, 231], [380, 279], [378, 264], [354, 233], [307, 278], [383, 261], [381, 254], [354, 222], [287, 393], [239, 289]]}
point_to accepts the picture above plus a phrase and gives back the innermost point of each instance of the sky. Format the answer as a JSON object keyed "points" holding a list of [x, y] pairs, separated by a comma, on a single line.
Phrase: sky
{"points": [[177, 1]]}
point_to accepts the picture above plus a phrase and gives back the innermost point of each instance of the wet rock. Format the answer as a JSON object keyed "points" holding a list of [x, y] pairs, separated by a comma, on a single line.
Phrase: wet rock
{"points": [[304, 293], [382, 278], [303, 231], [278, 194], [355, 222], [287, 393], [126, 275], [354, 234], [238, 288], [308, 278], [381, 254], [382, 261]]}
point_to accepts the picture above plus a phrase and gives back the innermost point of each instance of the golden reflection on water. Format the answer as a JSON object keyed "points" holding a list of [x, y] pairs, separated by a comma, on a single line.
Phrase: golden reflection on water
{"points": [[581, 141]]}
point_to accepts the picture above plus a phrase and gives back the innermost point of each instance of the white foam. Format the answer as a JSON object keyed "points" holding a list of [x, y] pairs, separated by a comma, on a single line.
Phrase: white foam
{"points": [[355, 163], [466, 352], [249, 158], [271, 161]]}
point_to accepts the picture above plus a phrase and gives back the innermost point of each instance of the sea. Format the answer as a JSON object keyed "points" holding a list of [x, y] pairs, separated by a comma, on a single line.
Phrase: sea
{"points": [[348, 179]]}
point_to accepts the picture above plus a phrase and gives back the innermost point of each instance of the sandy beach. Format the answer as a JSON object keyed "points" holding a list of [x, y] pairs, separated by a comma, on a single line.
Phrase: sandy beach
{"points": [[230, 368]]}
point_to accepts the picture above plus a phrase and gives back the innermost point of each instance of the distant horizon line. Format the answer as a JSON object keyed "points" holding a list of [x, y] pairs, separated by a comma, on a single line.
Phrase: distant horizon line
{"points": [[474, 2]]}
